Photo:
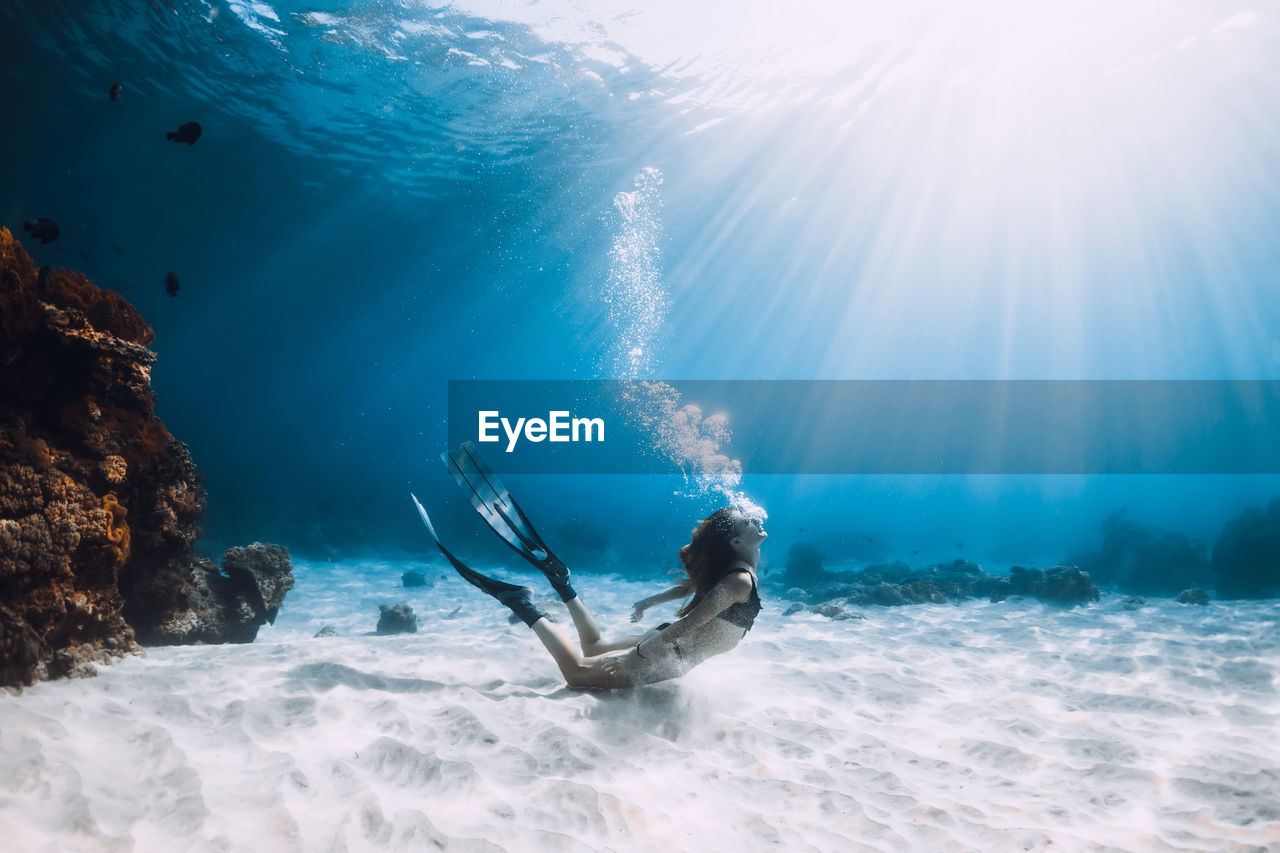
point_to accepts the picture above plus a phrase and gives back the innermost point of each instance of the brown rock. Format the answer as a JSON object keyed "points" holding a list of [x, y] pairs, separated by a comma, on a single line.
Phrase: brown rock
{"points": [[1057, 585], [98, 502], [228, 606]]}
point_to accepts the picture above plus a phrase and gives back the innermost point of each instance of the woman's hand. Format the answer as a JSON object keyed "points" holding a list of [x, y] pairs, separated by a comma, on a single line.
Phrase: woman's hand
{"points": [[638, 613]]}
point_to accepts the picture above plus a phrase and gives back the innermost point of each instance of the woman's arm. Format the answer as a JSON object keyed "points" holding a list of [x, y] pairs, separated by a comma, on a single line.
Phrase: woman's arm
{"points": [[674, 594], [729, 591]]}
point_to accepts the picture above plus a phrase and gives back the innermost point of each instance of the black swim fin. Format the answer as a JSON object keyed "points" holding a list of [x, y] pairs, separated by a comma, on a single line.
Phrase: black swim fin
{"points": [[516, 598], [504, 516]]}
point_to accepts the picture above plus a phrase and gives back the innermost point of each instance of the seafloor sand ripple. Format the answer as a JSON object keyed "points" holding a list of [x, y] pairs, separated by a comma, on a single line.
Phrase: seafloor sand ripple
{"points": [[981, 727]]}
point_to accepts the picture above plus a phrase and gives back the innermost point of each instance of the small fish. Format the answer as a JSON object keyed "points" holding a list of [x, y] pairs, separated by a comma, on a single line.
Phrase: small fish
{"points": [[119, 251], [915, 552], [171, 284], [115, 90], [83, 255], [188, 133], [42, 277], [959, 544], [44, 230]]}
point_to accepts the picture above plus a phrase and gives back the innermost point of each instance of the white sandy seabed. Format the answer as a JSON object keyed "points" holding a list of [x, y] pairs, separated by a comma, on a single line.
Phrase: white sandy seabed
{"points": [[1010, 726]]}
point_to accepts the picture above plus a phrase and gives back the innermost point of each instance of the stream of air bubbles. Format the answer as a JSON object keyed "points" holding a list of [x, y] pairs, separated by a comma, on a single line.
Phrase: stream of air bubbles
{"points": [[638, 303]]}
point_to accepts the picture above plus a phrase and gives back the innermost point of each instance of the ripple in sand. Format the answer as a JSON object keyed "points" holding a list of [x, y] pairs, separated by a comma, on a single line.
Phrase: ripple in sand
{"points": [[400, 764]]}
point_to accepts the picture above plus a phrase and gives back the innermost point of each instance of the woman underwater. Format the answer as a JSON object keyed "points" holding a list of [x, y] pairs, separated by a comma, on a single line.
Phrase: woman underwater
{"points": [[720, 562]]}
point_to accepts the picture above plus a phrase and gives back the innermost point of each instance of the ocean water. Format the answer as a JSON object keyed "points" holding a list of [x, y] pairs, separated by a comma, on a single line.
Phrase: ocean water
{"points": [[389, 195], [1012, 726]]}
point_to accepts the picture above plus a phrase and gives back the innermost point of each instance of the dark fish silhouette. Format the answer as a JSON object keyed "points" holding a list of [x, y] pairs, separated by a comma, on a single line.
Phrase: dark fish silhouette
{"points": [[171, 284], [114, 91], [959, 544], [188, 133], [83, 255], [44, 230], [119, 251]]}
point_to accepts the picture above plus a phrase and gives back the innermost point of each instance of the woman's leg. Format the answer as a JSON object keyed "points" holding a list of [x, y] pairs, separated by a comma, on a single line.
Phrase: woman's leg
{"points": [[579, 672], [589, 632]]}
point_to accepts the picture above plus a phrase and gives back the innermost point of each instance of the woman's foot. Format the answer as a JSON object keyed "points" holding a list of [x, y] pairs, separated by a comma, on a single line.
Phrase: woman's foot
{"points": [[558, 573], [517, 598]]}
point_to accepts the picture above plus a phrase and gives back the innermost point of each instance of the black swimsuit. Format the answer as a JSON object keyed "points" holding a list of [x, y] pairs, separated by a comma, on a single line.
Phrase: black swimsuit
{"points": [[673, 659], [743, 613]]}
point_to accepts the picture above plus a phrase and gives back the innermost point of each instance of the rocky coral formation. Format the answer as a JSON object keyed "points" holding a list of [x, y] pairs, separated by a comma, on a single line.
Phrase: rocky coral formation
{"points": [[888, 584], [396, 619], [98, 502], [1058, 585], [228, 606], [1144, 560], [1193, 596], [895, 584], [804, 566], [1246, 557]]}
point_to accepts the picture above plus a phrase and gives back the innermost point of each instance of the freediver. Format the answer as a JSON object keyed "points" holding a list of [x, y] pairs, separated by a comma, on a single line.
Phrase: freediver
{"points": [[720, 565]]}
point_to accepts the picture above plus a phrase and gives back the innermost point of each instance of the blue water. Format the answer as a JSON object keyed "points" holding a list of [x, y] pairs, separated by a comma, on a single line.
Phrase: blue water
{"points": [[390, 195]]}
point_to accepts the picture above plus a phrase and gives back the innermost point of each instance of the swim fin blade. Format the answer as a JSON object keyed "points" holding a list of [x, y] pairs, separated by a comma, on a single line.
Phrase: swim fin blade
{"points": [[516, 598], [504, 516], [426, 519], [496, 506]]}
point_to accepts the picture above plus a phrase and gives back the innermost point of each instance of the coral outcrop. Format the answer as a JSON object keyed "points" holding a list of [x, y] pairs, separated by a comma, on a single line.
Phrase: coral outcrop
{"points": [[804, 566], [1193, 596], [895, 584], [396, 619], [98, 502], [228, 606], [1145, 560], [1246, 557], [1058, 585]]}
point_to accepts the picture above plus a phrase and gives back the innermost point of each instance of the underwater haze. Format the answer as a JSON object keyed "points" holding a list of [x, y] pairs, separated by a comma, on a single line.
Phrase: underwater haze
{"points": [[390, 195], [389, 200]]}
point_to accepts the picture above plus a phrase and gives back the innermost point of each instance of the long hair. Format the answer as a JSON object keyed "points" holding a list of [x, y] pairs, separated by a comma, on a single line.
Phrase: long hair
{"points": [[709, 556]]}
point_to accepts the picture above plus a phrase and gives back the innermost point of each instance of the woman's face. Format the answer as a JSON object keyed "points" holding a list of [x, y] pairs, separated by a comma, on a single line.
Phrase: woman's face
{"points": [[748, 532]]}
